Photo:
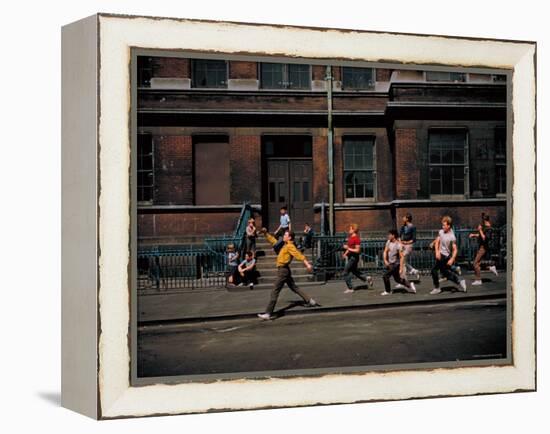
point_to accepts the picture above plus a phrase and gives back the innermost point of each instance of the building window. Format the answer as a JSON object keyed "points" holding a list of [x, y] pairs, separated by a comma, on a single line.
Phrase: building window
{"points": [[209, 73], [145, 168], [357, 78], [285, 76], [445, 76], [211, 169], [144, 71], [359, 167], [500, 159], [447, 154], [499, 78]]}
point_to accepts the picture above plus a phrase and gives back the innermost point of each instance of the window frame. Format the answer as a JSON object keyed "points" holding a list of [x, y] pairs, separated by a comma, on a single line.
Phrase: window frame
{"points": [[374, 198], [286, 78], [152, 170], [465, 165], [501, 162], [194, 75], [358, 89]]}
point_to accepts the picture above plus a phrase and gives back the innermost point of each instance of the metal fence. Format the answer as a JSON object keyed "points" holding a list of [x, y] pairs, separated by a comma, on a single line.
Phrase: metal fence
{"points": [[190, 266], [327, 251]]}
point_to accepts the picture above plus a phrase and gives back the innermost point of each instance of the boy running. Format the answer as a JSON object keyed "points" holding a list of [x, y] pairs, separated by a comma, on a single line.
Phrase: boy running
{"points": [[352, 250], [287, 252], [445, 256], [484, 234], [394, 260]]}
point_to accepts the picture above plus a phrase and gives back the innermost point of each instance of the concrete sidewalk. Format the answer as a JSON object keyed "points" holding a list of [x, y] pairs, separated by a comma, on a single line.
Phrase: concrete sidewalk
{"points": [[204, 304]]}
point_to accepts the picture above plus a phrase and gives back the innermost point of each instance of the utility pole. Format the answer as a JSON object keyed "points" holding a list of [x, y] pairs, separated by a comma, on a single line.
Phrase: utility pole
{"points": [[330, 142]]}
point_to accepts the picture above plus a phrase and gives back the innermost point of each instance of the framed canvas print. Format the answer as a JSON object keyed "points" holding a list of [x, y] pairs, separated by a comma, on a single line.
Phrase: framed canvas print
{"points": [[259, 216]]}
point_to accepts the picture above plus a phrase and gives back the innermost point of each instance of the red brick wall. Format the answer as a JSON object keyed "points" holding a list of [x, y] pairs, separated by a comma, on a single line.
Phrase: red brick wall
{"points": [[173, 170], [338, 170], [245, 161], [406, 170], [238, 69], [171, 67], [184, 224], [318, 72], [383, 74], [384, 169], [463, 216], [320, 169], [373, 220]]}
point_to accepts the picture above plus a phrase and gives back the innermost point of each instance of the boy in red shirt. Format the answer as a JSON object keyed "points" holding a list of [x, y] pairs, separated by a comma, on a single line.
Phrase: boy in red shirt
{"points": [[352, 251]]}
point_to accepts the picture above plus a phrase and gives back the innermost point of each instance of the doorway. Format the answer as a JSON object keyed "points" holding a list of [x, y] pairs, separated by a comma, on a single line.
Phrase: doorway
{"points": [[289, 179]]}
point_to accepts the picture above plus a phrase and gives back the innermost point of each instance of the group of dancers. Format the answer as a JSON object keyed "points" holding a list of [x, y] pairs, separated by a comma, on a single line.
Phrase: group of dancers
{"points": [[396, 254]]}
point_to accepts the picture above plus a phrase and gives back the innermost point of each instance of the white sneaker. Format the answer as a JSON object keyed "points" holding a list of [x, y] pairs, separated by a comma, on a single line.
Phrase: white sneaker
{"points": [[251, 286], [435, 291], [412, 289], [240, 284], [442, 279], [348, 291], [265, 316], [493, 270], [458, 270], [476, 283], [313, 303], [370, 281], [385, 293], [462, 285], [399, 286]]}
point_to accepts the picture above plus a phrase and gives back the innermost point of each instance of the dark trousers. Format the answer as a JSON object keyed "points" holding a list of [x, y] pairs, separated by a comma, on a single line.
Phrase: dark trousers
{"points": [[250, 276], [393, 271], [350, 270], [250, 244], [284, 276], [445, 269]]}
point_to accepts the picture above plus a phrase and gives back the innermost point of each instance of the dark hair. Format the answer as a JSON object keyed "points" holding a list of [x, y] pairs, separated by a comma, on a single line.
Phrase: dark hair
{"points": [[409, 217], [485, 217], [290, 234], [393, 232], [284, 207], [249, 253], [306, 224]]}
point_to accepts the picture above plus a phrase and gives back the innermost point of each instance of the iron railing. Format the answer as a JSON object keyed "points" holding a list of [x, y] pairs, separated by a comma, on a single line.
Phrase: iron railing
{"points": [[190, 266]]}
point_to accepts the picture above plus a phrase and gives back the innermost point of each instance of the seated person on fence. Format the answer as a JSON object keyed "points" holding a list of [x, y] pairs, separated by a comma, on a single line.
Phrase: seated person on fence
{"points": [[232, 264], [247, 270]]}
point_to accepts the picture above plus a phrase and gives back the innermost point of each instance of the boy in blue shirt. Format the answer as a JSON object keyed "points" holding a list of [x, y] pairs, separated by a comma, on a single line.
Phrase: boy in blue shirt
{"points": [[284, 223]]}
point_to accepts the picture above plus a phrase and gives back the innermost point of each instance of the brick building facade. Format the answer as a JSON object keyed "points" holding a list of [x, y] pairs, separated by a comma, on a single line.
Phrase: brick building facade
{"points": [[213, 134]]}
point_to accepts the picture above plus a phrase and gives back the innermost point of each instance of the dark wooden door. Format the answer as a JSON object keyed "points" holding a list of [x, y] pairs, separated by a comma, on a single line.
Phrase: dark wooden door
{"points": [[289, 184]]}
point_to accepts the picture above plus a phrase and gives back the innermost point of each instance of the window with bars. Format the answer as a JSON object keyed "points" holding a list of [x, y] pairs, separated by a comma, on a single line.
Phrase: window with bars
{"points": [[209, 73], [144, 71], [447, 159], [357, 78], [285, 76], [359, 167], [145, 168], [445, 76], [500, 159]]}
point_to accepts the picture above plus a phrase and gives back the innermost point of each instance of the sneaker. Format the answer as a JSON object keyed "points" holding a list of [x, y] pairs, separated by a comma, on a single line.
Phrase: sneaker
{"points": [[462, 285], [476, 282], [240, 284], [370, 281], [385, 293], [399, 286], [493, 270], [312, 303], [412, 289], [442, 279], [435, 291], [265, 316], [415, 275], [251, 286], [348, 291], [458, 270]]}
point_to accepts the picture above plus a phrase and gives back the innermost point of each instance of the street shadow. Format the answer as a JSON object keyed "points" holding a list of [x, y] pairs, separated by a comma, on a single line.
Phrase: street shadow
{"points": [[53, 398], [282, 311]]}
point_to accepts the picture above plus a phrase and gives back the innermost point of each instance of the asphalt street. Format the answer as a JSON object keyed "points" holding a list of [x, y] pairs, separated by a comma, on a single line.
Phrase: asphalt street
{"points": [[453, 331]]}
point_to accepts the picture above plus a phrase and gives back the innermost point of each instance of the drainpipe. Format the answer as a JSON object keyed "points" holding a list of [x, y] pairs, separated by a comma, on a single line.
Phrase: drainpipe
{"points": [[330, 141]]}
